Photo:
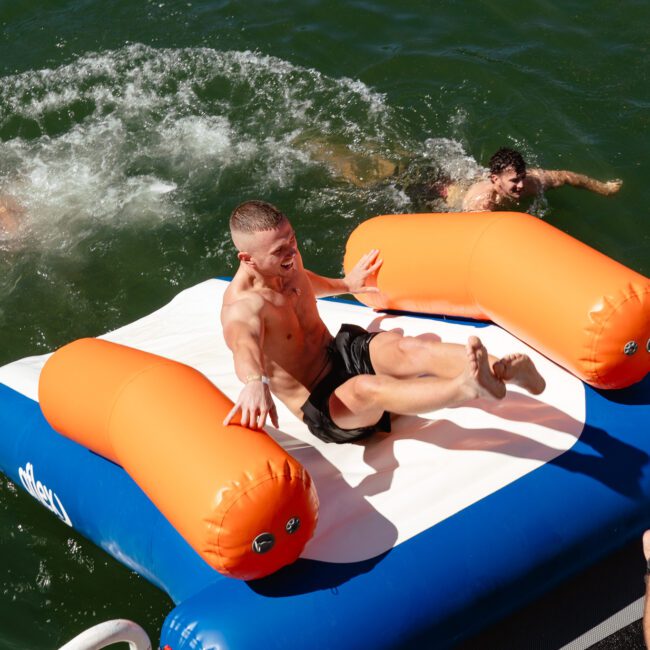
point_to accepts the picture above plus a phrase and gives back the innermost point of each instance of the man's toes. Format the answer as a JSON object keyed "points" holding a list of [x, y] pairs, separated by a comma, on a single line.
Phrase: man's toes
{"points": [[474, 343], [499, 369]]}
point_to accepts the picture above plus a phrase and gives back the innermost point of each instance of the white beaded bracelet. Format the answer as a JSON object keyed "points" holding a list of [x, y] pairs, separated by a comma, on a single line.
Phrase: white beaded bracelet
{"points": [[263, 378]]}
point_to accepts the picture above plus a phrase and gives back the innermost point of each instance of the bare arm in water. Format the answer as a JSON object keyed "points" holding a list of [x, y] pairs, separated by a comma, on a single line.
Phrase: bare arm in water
{"points": [[543, 179], [508, 187]]}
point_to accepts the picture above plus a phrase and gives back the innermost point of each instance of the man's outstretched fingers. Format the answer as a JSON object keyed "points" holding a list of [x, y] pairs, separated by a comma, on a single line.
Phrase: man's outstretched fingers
{"points": [[231, 414], [258, 419], [248, 419]]}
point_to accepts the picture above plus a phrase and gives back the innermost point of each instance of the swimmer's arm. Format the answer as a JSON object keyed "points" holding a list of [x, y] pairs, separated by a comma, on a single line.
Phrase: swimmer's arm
{"points": [[542, 179], [243, 331], [358, 280]]}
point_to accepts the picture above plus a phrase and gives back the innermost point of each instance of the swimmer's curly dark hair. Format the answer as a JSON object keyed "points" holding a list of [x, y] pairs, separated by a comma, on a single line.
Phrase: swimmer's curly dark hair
{"points": [[505, 158]]}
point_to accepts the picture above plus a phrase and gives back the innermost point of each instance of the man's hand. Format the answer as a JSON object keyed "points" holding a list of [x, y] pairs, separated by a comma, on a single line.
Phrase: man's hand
{"points": [[256, 404], [611, 187], [364, 269]]}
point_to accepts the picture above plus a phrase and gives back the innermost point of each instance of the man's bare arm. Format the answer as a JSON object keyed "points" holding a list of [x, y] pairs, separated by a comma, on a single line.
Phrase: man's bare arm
{"points": [[552, 178], [243, 331], [356, 281]]}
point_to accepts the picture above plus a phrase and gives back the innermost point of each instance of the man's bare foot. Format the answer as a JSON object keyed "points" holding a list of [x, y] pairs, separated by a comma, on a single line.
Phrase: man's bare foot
{"points": [[519, 369], [478, 376]]}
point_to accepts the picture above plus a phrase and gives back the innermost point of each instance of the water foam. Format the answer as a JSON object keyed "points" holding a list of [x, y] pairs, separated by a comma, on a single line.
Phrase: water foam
{"points": [[128, 135]]}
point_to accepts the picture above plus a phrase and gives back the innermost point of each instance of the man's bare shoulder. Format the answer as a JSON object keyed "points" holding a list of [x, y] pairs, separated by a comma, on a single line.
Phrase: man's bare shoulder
{"points": [[536, 179], [243, 298], [478, 196], [241, 301]]}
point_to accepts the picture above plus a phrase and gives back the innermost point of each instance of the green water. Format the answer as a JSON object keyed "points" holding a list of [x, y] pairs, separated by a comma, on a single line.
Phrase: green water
{"points": [[129, 130]]}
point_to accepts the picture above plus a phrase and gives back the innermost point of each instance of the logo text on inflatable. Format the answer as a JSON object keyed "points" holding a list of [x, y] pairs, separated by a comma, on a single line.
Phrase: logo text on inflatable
{"points": [[43, 494]]}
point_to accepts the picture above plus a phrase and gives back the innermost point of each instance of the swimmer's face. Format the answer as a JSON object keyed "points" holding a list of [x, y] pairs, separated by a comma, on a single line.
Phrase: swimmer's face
{"points": [[508, 183], [272, 253]]}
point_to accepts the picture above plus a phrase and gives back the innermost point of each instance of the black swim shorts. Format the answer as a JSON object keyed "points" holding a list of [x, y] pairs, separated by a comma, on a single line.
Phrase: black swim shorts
{"points": [[349, 356]]}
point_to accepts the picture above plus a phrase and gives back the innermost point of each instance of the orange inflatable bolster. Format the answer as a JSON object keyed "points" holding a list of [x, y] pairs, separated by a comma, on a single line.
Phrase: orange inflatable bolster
{"points": [[234, 494], [580, 308]]}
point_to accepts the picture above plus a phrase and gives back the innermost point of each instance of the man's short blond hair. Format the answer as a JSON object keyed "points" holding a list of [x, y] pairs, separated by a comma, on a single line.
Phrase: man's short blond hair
{"points": [[255, 216]]}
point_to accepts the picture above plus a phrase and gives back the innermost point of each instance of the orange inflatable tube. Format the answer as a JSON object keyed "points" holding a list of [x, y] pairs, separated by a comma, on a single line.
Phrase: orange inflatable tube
{"points": [[577, 306], [234, 494]]}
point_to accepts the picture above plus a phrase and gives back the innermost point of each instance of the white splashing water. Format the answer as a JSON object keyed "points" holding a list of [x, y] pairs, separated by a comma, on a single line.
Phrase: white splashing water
{"points": [[131, 137], [453, 160], [125, 136]]}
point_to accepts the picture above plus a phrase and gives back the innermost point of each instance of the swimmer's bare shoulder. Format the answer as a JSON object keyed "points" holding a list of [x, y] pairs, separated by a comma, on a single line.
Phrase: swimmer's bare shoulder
{"points": [[454, 194], [479, 197], [536, 181]]}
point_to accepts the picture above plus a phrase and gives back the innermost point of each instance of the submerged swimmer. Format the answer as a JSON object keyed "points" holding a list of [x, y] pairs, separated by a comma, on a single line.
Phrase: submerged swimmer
{"points": [[346, 387], [431, 190], [10, 213]]}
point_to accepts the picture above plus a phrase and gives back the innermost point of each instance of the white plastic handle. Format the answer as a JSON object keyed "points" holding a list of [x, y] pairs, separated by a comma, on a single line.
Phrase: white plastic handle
{"points": [[105, 634]]}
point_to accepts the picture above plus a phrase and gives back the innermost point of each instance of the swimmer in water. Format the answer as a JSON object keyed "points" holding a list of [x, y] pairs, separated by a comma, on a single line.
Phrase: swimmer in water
{"points": [[509, 181], [431, 190]]}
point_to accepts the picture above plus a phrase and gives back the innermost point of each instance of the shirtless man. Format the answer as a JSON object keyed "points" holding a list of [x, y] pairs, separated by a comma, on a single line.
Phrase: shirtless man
{"points": [[509, 181], [344, 388], [430, 189]]}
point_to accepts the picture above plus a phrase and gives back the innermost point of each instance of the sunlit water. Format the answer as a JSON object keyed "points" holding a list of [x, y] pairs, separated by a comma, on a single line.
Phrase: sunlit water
{"points": [[129, 131]]}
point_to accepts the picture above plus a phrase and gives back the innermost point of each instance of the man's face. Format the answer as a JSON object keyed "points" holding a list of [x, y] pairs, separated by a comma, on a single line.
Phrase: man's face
{"points": [[273, 253], [508, 184]]}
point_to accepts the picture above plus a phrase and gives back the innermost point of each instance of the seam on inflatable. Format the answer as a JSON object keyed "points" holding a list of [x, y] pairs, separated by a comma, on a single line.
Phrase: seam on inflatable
{"points": [[122, 388], [470, 264], [596, 339]]}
